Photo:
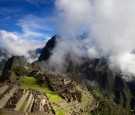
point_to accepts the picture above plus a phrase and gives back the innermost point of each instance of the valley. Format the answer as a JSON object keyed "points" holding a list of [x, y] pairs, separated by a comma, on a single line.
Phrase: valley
{"points": [[89, 88]]}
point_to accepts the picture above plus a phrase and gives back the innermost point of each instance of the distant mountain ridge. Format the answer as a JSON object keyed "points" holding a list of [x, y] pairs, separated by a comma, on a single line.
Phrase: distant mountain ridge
{"points": [[93, 74], [97, 70], [49, 94], [46, 52]]}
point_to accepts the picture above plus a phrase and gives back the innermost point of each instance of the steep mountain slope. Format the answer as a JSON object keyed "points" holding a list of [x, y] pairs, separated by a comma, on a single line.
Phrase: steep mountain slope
{"points": [[110, 83], [44, 93], [14, 67], [4, 55], [46, 52], [2, 64], [39, 93], [87, 88]]}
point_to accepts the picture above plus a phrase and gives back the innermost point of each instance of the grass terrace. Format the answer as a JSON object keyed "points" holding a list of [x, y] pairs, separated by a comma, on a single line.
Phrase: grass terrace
{"points": [[31, 83]]}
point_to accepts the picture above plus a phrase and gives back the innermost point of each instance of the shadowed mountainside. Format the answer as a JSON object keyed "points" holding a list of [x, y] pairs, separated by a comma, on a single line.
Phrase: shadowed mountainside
{"points": [[46, 52], [110, 83], [99, 99]]}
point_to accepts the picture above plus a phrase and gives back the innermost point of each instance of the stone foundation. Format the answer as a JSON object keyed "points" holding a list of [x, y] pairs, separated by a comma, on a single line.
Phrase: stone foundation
{"points": [[26, 101]]}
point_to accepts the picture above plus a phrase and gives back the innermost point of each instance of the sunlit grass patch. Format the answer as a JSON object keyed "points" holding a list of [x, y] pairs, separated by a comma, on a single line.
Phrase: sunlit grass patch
{"points": [[31, 83], [86, 97], [54, 98], [59, 111], [23, 105]]}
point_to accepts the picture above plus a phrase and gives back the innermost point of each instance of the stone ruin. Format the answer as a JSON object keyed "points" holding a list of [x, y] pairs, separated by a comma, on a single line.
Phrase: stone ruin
{"points": [[65, 88], [42, 103], [13, 97]]}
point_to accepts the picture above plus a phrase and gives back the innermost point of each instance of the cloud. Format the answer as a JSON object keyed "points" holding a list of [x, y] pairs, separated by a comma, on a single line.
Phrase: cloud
{"points": [[4, 55], [34, 35], [33, 26], [16, 45], [110, 29]]}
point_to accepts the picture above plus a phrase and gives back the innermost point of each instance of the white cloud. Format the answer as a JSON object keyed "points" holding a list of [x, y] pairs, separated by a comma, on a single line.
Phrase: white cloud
{"points": [[15, 45], [35, 33], [110, 25], [33, 26]]}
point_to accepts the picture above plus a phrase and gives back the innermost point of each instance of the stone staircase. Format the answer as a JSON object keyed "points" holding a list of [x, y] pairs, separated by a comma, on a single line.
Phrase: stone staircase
{"points": [[66, 88], [6, 95], [22, 101]]}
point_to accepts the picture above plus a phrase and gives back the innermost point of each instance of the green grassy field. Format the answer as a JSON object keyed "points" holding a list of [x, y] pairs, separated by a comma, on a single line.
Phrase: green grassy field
{"points": [[31, 83], [86, 97], [59, 111]]}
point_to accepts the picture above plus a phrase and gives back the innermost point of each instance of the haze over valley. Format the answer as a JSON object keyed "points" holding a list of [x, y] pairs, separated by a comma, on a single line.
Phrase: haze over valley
{"points": [[67, 57]]}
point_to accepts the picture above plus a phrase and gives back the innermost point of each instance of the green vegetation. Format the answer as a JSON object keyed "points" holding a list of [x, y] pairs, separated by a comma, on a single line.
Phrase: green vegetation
{"points": [[107, 106], [29, 105], [59, 111], [23, 105], [54, 98], [19, 70], [1, 113], [31, 83], [86, 97]]}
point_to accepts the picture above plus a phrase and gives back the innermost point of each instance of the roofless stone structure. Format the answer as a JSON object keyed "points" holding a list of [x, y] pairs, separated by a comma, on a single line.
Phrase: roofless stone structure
{"points": [[13, 97]]}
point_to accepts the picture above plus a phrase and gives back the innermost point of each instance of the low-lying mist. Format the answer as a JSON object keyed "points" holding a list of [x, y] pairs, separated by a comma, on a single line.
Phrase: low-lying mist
{"points": [[107, 27]]}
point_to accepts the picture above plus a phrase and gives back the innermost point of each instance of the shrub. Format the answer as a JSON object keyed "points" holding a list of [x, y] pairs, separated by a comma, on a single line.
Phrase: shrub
{"points": [[20, 70]]}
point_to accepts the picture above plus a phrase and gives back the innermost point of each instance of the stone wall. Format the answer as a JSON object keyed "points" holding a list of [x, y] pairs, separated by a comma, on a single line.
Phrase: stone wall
{"points": [[66, 88], [28, 101]]}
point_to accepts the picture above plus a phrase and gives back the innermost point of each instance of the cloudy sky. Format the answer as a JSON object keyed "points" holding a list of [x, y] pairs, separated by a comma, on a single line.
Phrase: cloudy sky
{"points": [[109, 26], [31, 18], [26, 24]]}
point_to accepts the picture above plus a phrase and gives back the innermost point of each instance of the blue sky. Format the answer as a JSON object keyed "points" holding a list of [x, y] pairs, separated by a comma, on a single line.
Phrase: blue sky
{"points": [[26, 25], [33, 19]]}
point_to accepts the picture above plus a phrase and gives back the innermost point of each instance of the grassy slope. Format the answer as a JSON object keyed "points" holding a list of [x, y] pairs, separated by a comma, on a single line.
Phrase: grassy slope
{"points": [[31, 83], [59, 111], [108, 107], [23, 105], [86, 99]]}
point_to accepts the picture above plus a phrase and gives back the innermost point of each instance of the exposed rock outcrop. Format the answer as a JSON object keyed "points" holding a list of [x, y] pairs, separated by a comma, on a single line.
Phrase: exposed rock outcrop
{"points": [[7, 73], [17, 99], [14, 68], [109, 82], [46, 52]]}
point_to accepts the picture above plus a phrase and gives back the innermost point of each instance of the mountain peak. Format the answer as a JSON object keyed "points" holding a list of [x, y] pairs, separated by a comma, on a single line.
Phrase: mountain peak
{"points": [[46, 52]]}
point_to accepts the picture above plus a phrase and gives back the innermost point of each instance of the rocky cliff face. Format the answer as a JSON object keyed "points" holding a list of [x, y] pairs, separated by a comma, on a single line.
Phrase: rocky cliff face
{"points": [[97, 70], [2, 64], [7, 72], [75, 98], [111, 84], [46, 52], [13, 67]]}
